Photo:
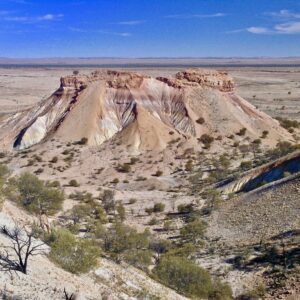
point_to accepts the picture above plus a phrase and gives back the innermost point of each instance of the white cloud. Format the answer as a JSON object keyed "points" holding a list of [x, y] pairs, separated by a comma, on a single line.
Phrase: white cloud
{"points": [[100, 31], [133, 22], [284, 28], [196, 16], [284, 13], [26, 19], [288, 28], [125, 34], [235, 31], [257, 30], [50, 17], [291, 25]]}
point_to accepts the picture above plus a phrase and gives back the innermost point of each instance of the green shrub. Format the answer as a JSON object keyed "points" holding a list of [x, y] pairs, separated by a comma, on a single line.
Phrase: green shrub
{"points": [[124, 168], [81, 196], [158, 207], [139, 258], [221, 291], [257, 141], [255, 294], [153, 221], [189, 279], [98, 230], [149, 210], [242, 132], [54, 160], [183, 250], [73, 183], [30, 162], [160, 247], [115, 181], [54, 184], [100, 214], [108, 200], [168, 225], [88, 213], [4, 172], [73, 254], [206, 140], [282, 148], [158, 173], [189, 166], [82, 141], [264, 134], [285, 123], [132, 201], [66, 152], [39, 171], [34, 195], [194, 231], [185, 208], [246, 165], [141, 178], [214, 199], [125, 243], [200, 120], [80, 212], [134, 160], [121, 212], [184, 276]]}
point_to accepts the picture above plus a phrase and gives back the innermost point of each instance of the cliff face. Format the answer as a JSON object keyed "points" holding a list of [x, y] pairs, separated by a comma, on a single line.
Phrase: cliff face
{"points": [[144, 112]]}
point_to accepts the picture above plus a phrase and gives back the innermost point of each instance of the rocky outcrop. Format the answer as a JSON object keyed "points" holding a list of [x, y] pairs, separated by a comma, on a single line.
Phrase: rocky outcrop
{"points": [[204, 78], [265, 174], [208, 78], [144, 112]]}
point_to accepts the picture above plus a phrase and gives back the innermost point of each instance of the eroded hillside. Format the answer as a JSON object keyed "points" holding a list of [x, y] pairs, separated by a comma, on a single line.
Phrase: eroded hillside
{"points": [[144, 113]]}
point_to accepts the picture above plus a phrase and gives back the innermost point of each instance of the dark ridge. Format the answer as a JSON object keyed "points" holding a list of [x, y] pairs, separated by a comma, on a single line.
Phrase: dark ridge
{"points": [[291, 166], [19, 137]]}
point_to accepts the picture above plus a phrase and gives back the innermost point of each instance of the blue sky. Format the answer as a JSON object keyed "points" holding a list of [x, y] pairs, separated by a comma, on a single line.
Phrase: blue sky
{"points": [[149, 28]]}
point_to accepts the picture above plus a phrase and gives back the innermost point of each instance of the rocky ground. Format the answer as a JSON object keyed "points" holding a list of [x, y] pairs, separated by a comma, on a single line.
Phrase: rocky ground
{"points": [[260, 214], [45, 280]]}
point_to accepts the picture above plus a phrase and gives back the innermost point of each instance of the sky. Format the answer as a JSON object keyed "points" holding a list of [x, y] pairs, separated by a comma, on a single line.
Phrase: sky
{"points": [[149, 28]]}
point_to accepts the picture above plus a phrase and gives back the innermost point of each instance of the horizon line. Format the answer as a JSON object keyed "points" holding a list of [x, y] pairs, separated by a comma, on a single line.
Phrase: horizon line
{"points": [[150, 57]]}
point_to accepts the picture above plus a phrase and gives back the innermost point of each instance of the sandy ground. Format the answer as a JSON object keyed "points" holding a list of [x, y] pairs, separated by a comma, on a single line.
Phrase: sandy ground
{"points": [[276, 91]]}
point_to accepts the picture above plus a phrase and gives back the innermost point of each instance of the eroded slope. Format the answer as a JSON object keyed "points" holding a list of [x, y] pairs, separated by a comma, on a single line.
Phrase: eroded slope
{"points": [[144, 112]]}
